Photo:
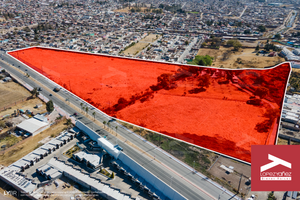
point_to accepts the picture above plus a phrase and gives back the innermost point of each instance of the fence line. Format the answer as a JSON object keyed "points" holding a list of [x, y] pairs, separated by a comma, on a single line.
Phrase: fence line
{"points": [[12, 104]]}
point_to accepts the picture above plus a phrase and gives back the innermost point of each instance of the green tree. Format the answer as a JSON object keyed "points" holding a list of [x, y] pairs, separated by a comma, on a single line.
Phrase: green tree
{"points": [[237, 46], [257, 48], [94, 113], [34, 92], [247, 31], [49, 106], [86, 110], [2, 124], [271, 196], [104, 122], [81, 106], [277, 36], [112, 176], [202, 60], [69, 122], [261, 28]]}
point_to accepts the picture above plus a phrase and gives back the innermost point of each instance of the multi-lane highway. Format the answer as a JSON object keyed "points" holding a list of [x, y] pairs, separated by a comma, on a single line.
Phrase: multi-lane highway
{"points": [[182, 179]]}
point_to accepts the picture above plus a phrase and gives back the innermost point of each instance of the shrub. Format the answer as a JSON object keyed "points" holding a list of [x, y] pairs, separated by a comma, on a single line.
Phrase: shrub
{"points": [[112, 176]]}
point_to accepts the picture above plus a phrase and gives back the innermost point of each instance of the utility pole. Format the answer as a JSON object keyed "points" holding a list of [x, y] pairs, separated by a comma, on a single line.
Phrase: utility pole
{"points": [[240, 184]]}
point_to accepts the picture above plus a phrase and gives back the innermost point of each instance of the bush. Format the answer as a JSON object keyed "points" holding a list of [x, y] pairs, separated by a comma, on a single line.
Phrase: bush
{"points": [[112, 176], [202, 60], [235, 44], [49, 106]]}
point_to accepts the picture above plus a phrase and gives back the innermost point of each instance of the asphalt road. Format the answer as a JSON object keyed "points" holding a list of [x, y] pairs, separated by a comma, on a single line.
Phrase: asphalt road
{"points": [[171, 172]]}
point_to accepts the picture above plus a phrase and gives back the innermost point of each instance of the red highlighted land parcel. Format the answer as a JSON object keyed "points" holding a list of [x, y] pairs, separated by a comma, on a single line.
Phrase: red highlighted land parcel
{"points": [[222, 110]]}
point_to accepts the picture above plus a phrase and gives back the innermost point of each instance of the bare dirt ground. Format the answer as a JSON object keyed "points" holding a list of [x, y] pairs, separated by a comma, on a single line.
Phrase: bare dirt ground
{"points": [[12, 92], [226, 58], [127, 9], [140, 45], [64, 193], [285, 142], [240, 170], [26, 105], [23, 148]]}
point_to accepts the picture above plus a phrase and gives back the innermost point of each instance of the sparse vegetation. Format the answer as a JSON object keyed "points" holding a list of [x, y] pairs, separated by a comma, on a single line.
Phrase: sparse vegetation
{"points": [[71, 151], [235, 44], [105, 172]]}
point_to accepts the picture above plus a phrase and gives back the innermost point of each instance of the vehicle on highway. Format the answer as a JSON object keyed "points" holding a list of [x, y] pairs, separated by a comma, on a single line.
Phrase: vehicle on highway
{"points": [[75, 114], [56, 89], [111, 120], [40, 89], [50, 94]]}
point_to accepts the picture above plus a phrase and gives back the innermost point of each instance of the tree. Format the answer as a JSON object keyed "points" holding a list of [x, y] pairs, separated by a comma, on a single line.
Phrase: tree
{"points": [[271, 196], [239, 60], [247, 31], [81, 105], [49, 106], [261, 28], [261, 92], [112, 176], [237, 46], [202, 60], [257, 48], [186, 42], [86, 110], [104, 122], [234, 43], [204, 44], [277, 36], [69, 122], [94, 113], [2, 124], [34, 92]]}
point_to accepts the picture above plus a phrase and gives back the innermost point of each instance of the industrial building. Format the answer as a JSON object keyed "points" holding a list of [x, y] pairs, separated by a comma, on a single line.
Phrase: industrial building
{"points": [[33, 126]]}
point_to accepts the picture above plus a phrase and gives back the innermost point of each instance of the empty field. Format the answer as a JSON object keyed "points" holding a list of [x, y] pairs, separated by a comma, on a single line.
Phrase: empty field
{"points": [[197, 105], [143, 43], [12, 92], [226, 58]]}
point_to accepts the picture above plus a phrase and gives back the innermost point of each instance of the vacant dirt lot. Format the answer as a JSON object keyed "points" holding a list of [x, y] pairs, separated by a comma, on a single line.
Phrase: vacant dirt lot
{"points": [[12, 92], [285, 142], [140, 45], [26, 105], [227, 58], [232, 179], [127, 9], [23, 148]]}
